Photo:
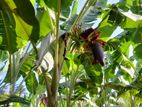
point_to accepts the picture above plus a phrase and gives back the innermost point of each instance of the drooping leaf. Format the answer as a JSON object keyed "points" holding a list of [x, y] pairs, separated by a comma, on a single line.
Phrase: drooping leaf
{"points": [[127, 62], [101, 3], [137, 35], [45, 20], [27, 65], [90, 17], [66, 12], [138, 52], [135, 8], [67, 25], [125, 5], [26, 20], [94, 72], [112, 44], [125, 47], [16, 99], [115, 17], [18, 24], [137, 83], [3, 70], [7, 26], [53, 4], [106, 28], [115, 86], [31, 83], [65, 69], [109, 72], [116, 57], [131, 21], [74, 9], [44, 54], [3, 55], [39, 91]]}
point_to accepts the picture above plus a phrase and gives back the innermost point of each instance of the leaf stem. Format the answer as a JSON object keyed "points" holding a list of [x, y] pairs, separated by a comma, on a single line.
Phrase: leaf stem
{"points": [[103, 19], [34, 47], [80, 15], [55, 77], [10, 70], [49, 92]]}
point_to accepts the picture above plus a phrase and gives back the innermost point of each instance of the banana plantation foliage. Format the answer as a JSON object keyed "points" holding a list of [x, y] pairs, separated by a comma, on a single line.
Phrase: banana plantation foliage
{"points": [[70, 53]]}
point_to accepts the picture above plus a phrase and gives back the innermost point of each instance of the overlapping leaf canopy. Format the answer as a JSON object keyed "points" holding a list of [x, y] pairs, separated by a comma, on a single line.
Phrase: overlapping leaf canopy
{"points": [[27, 21]]}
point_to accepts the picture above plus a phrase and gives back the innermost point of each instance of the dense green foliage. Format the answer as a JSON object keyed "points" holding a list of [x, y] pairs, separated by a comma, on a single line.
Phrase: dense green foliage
{"points": [[36, 61]]}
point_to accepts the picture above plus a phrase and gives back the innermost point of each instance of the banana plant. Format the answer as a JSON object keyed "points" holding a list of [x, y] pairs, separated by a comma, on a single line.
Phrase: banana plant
{"points": [[65, 57]]}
